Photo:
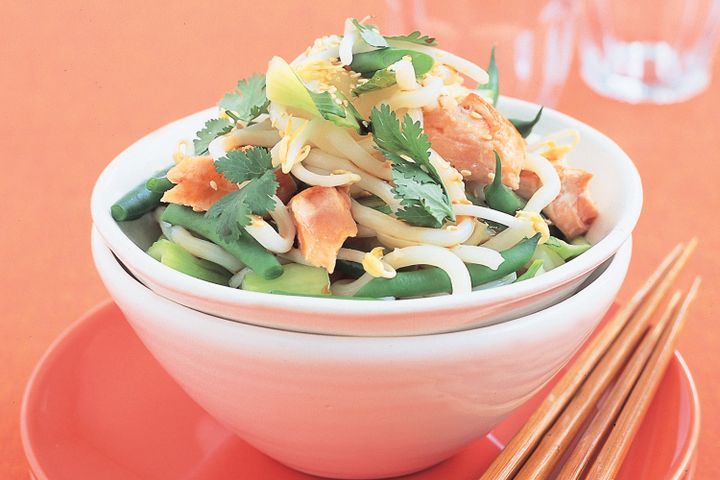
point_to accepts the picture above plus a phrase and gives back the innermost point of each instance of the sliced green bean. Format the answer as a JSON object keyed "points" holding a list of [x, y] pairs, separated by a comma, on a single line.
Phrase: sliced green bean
{"points": [[525, 126], [433, 280], [245, 248], [499, 196], [532, 270], [137, 202], [368, 63]]}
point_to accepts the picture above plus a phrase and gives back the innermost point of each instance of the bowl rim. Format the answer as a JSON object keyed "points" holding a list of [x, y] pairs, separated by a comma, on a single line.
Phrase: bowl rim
{"points": [[137, 259], [185, 317]]}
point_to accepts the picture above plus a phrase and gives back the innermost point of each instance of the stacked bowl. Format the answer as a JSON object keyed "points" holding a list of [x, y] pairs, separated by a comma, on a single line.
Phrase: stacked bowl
{"points": [[364, 389]]}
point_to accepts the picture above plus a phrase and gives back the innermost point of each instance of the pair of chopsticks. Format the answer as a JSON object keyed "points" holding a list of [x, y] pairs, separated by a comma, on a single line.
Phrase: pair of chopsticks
{"points": [[626, 350]]}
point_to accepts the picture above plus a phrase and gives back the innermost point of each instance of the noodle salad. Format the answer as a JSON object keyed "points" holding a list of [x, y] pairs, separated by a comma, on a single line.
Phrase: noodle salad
{"points": [[370, 166]]}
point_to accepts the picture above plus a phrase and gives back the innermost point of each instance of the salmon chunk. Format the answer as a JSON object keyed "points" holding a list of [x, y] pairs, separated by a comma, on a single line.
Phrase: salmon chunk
{"points": [[323, 220], [466, 135], [572, 211], [198, 184]]}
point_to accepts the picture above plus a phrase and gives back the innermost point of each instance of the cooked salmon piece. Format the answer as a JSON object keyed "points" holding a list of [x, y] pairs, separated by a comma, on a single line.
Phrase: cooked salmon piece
{"points": [[572, 211], [466, 135], [198, 184], [323, 220]]}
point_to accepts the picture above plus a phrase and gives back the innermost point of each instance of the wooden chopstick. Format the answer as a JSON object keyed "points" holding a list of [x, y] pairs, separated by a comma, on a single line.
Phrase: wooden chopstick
{"points": [[522, 444], [610, 458], [603, 420], [554, 443]]}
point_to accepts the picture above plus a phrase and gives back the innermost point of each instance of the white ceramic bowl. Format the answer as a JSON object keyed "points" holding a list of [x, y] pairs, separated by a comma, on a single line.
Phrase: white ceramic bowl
{"points": [[616, 189], [359, 407]]}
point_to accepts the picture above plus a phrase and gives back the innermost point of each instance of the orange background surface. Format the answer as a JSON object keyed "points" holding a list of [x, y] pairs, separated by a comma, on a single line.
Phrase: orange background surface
{"points": [[82, 80]]}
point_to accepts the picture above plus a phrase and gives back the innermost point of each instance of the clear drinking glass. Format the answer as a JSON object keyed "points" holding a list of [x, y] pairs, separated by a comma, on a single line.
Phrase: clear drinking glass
{"points": [[534, 40], [649, 51]]}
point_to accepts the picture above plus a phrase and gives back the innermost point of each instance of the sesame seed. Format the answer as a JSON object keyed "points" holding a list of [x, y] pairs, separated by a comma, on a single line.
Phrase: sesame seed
{"points": [[213, 184], [465, 173], [475, 114]]}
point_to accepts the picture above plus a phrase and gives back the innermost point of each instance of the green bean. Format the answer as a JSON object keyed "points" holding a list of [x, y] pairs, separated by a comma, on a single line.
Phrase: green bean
{"points": [[565, 250], [159, 182], [245, 248], [492, 87], [499, 196], [349, 269], [525, 126], [177, 258], [532, 270], [433, 280], [137, 202], [368, 63]]}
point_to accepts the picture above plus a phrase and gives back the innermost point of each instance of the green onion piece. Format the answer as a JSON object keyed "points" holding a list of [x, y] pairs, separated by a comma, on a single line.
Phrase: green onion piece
{"points": [[491, 89]]}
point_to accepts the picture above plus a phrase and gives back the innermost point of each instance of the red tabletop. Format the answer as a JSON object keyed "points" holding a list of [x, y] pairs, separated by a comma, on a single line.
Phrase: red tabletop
{"points": [[82, 80]]}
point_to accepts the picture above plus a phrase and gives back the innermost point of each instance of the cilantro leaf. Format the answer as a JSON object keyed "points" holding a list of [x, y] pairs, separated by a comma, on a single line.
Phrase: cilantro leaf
{"points": [[414, 37], [370, 34], [213, 129], [241, 165], [248, 100], [424, 201], [417, 184], [234, 209], [409, 141]]}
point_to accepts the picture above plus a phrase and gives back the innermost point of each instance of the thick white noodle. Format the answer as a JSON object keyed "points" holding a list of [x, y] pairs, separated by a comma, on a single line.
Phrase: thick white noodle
{"points": [[277, 242], [260, 135], [447, 236], [332, 180], [470, 210], [460, 64], [367, 182], [511, 236], [479, 255], [550, 179], [426, 96], [337, 141]]}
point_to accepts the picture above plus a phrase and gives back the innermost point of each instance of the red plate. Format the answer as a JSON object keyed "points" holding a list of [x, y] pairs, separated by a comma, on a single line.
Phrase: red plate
{"points": [[99, 406]]}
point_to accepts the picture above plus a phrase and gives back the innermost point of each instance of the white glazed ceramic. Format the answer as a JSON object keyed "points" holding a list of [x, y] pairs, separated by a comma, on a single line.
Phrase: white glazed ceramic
{"points": [[359, 407], [616, 189]]}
